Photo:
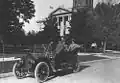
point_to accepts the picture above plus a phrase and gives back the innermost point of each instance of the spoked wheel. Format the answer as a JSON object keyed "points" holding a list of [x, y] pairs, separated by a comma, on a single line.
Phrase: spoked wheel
{"points": [[18, 71], [42, 71], [76, 68]]}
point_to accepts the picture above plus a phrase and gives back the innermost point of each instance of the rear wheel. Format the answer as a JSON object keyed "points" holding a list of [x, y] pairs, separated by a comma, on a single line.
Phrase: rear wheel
{"points": [[42, 72], [76, 68]]}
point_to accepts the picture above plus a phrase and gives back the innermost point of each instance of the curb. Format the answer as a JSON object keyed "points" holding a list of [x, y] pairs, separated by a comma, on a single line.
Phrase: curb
{"points": [[110, 57], [4, 75], [87, 62], [97, 54], [85, 54]]}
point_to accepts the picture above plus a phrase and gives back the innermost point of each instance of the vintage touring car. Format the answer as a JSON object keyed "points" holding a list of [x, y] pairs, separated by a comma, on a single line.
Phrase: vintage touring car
{"points": [[45, 63]]}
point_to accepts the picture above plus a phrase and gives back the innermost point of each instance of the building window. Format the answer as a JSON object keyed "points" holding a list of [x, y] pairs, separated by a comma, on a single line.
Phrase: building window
{"points": [[91, 2], [79, 3], [87, 2], [66, 18], [74, 3]]}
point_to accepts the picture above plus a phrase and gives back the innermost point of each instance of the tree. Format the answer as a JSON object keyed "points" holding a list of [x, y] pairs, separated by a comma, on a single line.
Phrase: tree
{"points": [[50, 31], [13, 15], [30, 38], [81, 31], [106, 21], [15, 38]]}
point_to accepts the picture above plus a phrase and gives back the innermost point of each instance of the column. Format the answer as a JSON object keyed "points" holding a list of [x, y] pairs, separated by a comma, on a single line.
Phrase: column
{"points": [[68, 24], [62, 27], [69, 17], [58, 26]]}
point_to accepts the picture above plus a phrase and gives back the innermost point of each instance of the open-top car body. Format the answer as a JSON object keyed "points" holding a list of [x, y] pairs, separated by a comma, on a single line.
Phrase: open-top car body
{"points": [[43, 64]]}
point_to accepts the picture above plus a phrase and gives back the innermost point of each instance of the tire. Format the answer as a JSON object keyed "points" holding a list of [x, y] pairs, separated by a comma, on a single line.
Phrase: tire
{"points": [[76, 68], [42, 72], [18, 71]]}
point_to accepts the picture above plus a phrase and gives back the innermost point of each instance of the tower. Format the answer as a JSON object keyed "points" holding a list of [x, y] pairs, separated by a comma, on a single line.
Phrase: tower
{"points": [[79, 4]]}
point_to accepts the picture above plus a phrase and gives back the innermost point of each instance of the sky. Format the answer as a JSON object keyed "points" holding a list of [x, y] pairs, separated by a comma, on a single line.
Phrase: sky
{"points": [[42, 8]]}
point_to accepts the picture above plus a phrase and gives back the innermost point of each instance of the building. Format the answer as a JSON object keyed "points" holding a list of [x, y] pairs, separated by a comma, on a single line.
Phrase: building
{"points": [[81, 4], [63, 16]]}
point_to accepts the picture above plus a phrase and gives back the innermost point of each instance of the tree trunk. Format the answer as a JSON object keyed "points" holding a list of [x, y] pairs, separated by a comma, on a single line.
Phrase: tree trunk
{"points": [[104, 47], [104, 44]]}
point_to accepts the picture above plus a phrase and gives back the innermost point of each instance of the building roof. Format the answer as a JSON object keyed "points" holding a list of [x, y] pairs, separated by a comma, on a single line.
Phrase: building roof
{"points": [[59, 11]]}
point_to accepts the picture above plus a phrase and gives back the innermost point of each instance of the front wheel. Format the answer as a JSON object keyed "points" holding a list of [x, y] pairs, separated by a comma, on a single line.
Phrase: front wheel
{"points": [[18, 71], [42, 72]]}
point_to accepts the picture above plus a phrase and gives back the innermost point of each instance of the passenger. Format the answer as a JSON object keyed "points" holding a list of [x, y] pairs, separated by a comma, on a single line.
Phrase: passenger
{"points": [[73, 46], [72, 51], [60, 46], [60, 53]]}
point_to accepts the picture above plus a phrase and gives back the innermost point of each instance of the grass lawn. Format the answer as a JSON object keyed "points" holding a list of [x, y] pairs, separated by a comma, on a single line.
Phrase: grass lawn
{"points": [[6, 67], [90, 58], [112, 54]]}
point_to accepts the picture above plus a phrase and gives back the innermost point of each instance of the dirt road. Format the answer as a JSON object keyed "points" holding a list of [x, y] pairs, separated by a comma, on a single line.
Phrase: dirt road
{"points": [[104, 71]]}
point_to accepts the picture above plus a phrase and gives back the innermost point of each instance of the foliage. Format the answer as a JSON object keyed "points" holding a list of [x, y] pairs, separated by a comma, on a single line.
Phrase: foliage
{"points": [[13, 15], [15, 38], [106, 21], [81, 30], [50, 31], [99, 24]]}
